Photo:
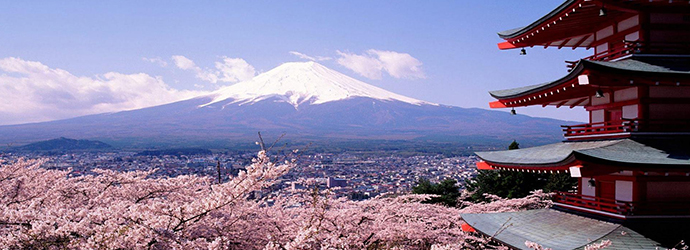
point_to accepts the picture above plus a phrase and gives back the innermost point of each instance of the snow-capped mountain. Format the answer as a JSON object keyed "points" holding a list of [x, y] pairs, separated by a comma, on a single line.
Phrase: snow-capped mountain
{"points": [[300, 83], [302, 100]]}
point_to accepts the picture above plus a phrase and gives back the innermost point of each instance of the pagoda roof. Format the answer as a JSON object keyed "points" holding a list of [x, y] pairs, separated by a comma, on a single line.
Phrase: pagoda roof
{"points": [[547, 155], [647, 152], [636, 65], [511, 33], [573, 23], [555, 229]]}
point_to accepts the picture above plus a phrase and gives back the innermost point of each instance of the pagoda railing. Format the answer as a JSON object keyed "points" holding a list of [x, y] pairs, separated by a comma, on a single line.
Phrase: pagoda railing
{"points": [[599, 128], [636, 47], [607, 55], [592, 202], [623, 128], [612, 53], [626, 208]]}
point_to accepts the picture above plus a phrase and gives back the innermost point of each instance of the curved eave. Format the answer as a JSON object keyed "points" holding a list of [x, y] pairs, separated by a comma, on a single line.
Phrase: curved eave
{"points": [[572, 24], [649, 70], [559, 166], [532, 89], [512, 33], [656, 154], [557, 156]]}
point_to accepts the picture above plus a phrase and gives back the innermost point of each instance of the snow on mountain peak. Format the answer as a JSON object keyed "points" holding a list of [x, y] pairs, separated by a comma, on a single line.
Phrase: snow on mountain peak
{"points": [[304, 82]]}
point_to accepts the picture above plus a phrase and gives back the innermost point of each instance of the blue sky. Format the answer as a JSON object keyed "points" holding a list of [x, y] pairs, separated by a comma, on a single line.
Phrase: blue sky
{"points": [[90, 46]]}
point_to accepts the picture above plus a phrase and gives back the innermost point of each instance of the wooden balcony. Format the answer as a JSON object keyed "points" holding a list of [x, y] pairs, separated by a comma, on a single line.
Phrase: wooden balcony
{"points": [[636, 47], [623, 208], [607, 55], [595, 203], [623, 128], [609, 129]]}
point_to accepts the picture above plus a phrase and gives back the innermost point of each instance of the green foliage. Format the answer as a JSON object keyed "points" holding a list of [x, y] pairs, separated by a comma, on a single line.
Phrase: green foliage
{"points": [[514, 145], [357, 196], [510, 184], [447, 190], [560, 182], [506, 184]]}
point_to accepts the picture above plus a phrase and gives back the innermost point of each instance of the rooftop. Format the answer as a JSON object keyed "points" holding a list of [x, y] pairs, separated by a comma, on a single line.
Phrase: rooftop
{"points": [[555, 229], [573, 23], [655, 152], [636, 65]]}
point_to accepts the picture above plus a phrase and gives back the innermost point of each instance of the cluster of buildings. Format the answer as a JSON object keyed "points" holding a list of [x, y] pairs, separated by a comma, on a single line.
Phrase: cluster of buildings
{"points": [[165, 165], [354, 175]]}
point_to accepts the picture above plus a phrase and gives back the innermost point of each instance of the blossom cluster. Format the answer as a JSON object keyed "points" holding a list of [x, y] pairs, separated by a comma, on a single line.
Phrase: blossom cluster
{"points": [[537, 199], [42, 208], [49, 209]]}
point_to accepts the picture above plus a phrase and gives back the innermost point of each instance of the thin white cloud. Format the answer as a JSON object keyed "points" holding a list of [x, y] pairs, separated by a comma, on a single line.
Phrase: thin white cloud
{"points": [[373, 63], [32, 92], [364, 65], [310, 58], [184, 63], [234, 70], [230, 70], [399, 65], [156, 60]]}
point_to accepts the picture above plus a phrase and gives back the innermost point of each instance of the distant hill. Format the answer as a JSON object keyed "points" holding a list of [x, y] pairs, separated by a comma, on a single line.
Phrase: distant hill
{"points": [[65, 144]]}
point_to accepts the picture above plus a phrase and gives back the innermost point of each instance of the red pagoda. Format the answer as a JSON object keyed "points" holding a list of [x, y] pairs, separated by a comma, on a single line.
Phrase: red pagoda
{"points": [[632, 160]]}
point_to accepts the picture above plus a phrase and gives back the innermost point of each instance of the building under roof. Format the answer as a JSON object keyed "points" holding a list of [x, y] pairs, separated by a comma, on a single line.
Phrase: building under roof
{"points": [[632, 159]]}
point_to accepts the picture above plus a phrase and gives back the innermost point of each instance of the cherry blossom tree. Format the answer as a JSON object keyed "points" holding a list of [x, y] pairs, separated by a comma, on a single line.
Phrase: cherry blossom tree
{"points": [[50, 209]]}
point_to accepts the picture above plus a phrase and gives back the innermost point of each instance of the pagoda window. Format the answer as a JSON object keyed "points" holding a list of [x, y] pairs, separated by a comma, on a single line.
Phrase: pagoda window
{"points": [[587, 188], [601, 100], [633, 36], [668, 191], [629, 23], [670, 36], [668, 18], [604, 33], [669, 102], [601, 48], [669, 92], [624, 190], [597, 116], [630, 111], [625, 94], [669, 33], [663, 111]]}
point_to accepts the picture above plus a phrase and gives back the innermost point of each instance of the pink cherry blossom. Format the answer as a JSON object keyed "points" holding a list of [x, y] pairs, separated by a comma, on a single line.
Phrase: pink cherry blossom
{"points": [[49, 209]]}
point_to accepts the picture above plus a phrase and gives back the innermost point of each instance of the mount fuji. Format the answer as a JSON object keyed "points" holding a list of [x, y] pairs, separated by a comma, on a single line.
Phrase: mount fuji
{"points": [[304, 100]]}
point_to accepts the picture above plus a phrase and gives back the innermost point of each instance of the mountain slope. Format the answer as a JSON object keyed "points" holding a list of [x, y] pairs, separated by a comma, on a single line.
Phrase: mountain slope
{"points": [[302, 100], [303, 82]]}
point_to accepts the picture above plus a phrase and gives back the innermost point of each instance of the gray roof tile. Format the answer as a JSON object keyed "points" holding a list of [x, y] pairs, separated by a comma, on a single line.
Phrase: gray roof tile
{"points": [[554, 229], [654, 152]]}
